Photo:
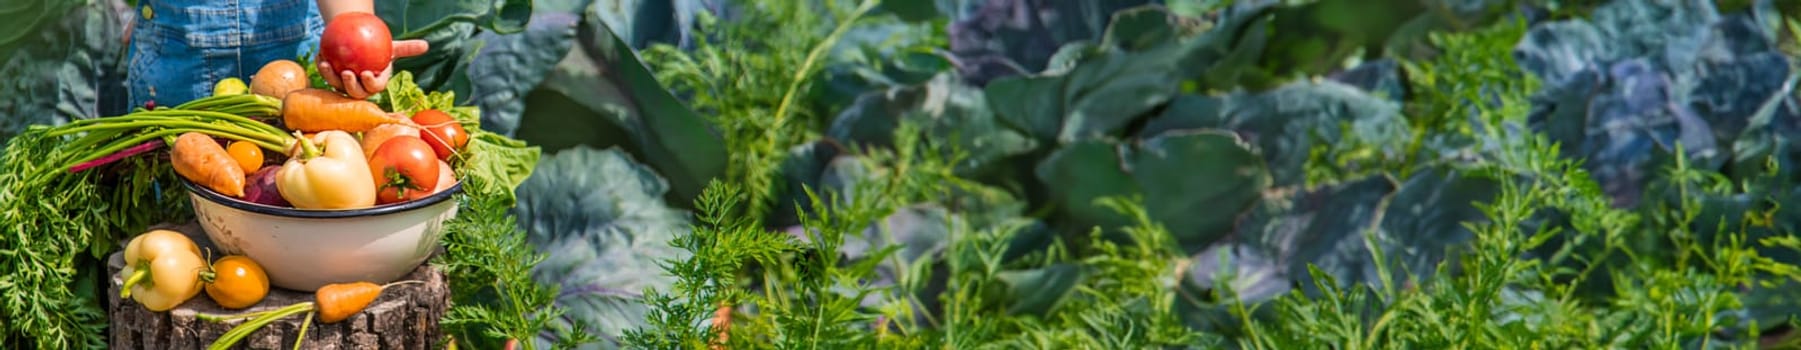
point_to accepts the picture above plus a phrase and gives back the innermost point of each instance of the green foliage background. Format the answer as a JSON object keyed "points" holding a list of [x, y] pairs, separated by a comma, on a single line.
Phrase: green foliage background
{"points": [[1443, 223], [1124, 174]]}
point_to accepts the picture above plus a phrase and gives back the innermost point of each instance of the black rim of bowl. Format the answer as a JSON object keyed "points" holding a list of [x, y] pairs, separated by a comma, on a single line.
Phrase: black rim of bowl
{"points": [[216, 197]]}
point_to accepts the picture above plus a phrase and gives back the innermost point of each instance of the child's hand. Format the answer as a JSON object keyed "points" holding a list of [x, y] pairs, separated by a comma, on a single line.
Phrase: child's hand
{"points": [[360, 87]]}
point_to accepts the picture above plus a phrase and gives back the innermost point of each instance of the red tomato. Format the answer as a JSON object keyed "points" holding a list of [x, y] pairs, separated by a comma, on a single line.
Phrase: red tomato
{"points": [[445, 135], [357, 42], [404, 170]]}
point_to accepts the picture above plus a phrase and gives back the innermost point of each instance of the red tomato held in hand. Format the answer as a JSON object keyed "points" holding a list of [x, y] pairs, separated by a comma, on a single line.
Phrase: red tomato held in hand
{"points": [[445, 135], [358, 42], [404, 170]]}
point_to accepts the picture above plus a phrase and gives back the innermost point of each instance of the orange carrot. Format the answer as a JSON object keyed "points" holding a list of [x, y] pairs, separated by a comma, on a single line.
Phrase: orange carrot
{"points": [[333, 302], [337, 302], [722, 325], [200, 159], [314, 110]]}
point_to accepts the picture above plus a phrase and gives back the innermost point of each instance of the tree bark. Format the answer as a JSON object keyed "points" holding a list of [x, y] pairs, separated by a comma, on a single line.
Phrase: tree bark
{"points": [[404, 317]]}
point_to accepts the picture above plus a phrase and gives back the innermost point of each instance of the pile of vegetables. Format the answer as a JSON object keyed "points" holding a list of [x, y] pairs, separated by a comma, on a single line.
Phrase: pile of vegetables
{"points": [[340, 153], [327, 166], [395, 159], [280, 140]]}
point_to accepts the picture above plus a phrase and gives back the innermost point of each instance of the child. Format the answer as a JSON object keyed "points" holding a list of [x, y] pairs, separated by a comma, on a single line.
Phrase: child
{"points": [[180, 48]]}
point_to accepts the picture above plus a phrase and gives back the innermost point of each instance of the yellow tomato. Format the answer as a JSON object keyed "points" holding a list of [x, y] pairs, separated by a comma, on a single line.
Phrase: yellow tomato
{"points": [[248, 155], [237, 282]]}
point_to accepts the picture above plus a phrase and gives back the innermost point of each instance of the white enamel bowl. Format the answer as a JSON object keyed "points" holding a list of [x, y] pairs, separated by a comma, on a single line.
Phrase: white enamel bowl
{"points": [[303, 250]]}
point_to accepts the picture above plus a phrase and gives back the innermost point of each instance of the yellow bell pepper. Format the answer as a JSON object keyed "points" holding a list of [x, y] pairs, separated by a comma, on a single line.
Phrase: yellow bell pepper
{"points": [[162, 270], [336, 178]]}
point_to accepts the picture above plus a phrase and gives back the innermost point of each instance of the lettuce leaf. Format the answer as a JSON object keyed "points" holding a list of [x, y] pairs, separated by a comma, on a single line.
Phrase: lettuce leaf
{"points": [[404, 96], [504, 161]]}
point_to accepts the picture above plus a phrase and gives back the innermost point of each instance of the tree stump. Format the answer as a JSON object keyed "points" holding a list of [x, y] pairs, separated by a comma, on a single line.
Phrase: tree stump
{"points": [[404, 317]]}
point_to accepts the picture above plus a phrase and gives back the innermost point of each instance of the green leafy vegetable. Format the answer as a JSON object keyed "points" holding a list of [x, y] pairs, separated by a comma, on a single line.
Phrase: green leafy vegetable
{"points": [[1012, 37], [612, 94], [641, 23], [65, 61], [55, 238], [603, 244], [31, 16], [1098, 97], [947, 110], [449, 26], [1041, 290], [485, 244], [1299, 125], [503, 162], [1194, 183], [510, 66]]}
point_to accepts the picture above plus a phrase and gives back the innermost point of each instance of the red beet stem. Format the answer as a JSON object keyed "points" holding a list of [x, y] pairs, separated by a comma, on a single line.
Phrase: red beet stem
{"points": [[134, 150]]}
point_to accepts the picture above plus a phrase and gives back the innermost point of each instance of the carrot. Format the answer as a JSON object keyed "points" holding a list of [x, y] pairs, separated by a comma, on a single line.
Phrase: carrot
{"points": [[338, 301], [332, 303], [315, 110], [722, 325], [200, 159]]}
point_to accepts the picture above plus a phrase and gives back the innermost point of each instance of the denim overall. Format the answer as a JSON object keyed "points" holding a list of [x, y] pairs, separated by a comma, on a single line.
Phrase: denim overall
{"points": [[180, 48]]}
